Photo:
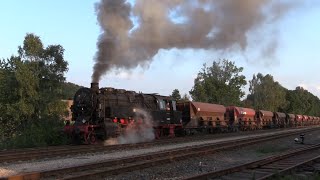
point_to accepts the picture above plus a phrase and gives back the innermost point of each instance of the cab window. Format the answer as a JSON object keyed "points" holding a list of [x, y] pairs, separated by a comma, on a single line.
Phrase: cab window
{"points": [[162, 104], [174, 104]]}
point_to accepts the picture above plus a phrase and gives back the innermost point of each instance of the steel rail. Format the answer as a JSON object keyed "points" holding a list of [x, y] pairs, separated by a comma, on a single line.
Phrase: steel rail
{"points": [[15, 155], [266, 168]]}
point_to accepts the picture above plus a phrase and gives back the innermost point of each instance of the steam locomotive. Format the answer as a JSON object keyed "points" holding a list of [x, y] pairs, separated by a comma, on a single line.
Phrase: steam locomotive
{"points": [[108, 112]]}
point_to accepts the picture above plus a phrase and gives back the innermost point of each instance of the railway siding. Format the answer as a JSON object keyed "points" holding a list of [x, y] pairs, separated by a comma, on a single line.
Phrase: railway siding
{"points": [[269, 167]]}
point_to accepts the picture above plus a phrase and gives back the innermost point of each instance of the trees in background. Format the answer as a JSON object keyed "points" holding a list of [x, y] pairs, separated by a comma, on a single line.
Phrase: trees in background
{"points": [[68, 90], [30, 92], [176, 95], [300, 101], [266, 94], [185, 97], [221, 83]]}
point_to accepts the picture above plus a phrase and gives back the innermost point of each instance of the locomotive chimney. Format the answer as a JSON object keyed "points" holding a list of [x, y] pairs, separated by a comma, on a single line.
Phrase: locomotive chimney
{"points": [[95, 87]]}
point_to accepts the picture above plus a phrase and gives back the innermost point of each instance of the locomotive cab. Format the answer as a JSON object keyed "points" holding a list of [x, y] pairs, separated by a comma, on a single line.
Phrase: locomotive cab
{"points": [[108, 112], [166, 112]]}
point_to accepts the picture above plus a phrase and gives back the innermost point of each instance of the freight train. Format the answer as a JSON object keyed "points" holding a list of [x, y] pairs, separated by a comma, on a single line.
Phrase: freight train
{"points": [[100, 113]]}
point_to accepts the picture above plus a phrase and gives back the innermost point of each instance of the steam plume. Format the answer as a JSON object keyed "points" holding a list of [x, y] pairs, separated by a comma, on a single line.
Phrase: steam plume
{"points": [[166, 24], [139, 131]]}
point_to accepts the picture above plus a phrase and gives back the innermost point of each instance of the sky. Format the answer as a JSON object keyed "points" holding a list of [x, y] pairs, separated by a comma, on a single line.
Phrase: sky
{"points": [[74, 26]]}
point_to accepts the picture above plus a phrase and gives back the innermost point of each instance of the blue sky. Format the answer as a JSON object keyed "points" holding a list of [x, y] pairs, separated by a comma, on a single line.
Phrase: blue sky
{"points": [[73, 25]]}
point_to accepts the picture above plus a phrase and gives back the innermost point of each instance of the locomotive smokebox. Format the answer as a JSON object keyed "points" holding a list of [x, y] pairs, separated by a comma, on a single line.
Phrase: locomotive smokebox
{"points": [[95, 87]]}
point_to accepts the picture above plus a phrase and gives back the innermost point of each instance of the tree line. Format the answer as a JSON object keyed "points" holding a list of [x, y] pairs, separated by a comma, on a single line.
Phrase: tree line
{"points": [[223, 83]]}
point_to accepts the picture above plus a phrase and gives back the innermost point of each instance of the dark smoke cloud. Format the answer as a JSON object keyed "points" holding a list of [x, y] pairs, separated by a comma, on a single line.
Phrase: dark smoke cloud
{"points": [[204, 24]]}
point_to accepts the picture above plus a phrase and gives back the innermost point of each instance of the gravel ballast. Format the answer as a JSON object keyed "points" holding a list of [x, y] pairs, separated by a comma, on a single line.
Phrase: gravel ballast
{"points": [[220, 160]]}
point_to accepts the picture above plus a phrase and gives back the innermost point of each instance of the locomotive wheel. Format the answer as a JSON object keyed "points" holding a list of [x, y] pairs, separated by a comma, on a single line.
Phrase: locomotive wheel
{"points": [[91, 138]]}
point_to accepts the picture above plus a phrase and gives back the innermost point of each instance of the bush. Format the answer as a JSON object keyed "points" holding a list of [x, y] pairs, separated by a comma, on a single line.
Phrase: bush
{"points": [[46, 131]]}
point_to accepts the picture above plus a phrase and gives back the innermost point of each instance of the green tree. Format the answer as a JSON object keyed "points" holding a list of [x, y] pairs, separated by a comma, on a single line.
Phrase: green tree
{"points": [[302, 102], [8, 98], [176, 95], [267, 94], [220, 83], [30, 86], [185, 97], [68, 90]]}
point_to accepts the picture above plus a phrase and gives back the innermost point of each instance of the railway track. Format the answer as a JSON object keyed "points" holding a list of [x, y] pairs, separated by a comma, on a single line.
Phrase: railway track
{"points": [[305, 160], [117, 166], [51, 152], [63, 151], [26, 154]]}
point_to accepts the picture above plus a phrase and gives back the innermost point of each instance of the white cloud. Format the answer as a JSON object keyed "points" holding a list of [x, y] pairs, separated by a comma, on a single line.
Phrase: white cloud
{"points": [[126, 75]]}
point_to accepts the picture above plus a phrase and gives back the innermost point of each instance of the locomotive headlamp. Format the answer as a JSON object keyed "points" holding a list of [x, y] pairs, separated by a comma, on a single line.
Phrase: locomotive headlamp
{"points": [[243, 112]]}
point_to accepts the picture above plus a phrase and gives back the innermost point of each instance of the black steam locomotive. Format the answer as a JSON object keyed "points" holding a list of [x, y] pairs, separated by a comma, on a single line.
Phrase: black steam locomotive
{"points": [[106, 112]]}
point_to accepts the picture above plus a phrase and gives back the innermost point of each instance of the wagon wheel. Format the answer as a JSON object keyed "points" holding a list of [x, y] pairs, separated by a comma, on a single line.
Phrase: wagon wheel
{"points": [[91, 138]]}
